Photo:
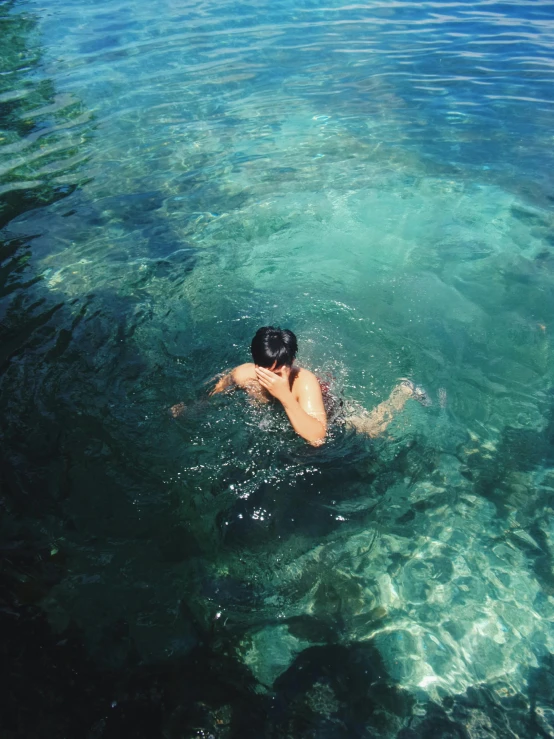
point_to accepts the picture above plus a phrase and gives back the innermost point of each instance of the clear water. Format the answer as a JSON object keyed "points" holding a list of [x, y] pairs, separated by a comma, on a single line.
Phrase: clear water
{"points": [[377, 177]]}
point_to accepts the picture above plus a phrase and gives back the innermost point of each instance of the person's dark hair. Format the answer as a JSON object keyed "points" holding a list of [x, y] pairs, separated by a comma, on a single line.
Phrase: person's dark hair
{"points": [[273, 345]]}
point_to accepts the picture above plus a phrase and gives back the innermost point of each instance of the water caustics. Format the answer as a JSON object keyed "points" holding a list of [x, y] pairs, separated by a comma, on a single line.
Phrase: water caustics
{"points": [[377, 177]]}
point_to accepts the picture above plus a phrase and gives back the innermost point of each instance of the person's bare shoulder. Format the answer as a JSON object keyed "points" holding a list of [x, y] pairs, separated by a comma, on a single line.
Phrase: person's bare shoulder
{"points": [[305, 378], [308, 394], [244, 374], [241, 376]]}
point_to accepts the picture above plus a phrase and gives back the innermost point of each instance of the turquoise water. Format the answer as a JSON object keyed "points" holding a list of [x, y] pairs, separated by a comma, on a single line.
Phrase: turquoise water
{"points": [[376, 177]]}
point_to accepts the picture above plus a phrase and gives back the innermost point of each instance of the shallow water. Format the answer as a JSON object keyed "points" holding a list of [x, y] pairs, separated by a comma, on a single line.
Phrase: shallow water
{"points": [[376, 177]]}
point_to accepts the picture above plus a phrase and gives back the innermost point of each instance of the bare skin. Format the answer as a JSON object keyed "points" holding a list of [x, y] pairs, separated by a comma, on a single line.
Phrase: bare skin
{"points": [[299, 392], [374, 423], [296, 388]]}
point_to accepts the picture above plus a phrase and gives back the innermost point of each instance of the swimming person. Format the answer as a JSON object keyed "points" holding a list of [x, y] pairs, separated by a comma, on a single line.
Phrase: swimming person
{"points": [[274, 374]]}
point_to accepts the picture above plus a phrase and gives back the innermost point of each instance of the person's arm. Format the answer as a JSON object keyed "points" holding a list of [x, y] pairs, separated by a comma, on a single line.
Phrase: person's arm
{"points": [[241, 376], [223, 383], [307, 414]]}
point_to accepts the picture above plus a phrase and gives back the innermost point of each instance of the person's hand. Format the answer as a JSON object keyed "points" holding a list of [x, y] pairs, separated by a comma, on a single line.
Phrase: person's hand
{"points": [[274, 384], [177, 410]]}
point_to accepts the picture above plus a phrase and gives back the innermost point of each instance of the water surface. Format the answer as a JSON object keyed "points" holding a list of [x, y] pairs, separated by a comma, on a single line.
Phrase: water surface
{"points": [[376, 177]]}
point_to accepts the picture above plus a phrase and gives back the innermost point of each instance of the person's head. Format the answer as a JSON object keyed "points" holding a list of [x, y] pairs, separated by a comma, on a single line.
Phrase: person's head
{"points": [[274, 348]]}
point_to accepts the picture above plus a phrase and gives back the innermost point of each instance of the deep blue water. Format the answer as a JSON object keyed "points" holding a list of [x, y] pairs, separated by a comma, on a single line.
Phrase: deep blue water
{"points": [[377, 177]]}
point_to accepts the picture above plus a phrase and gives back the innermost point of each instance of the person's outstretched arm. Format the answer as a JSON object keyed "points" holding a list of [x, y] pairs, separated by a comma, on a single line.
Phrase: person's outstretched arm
{"points": [[307, 414], [223, 383]]}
